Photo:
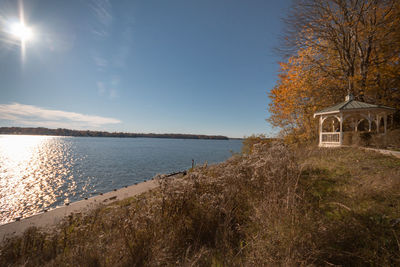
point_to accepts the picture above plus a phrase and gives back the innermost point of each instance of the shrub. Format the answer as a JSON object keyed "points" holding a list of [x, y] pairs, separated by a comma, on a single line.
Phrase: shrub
{"points": [[393, 138], [365, 138], [249, 142]]}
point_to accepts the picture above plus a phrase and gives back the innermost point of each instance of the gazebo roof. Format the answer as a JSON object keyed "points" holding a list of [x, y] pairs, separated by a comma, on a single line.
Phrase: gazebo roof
{"points": [[349, 105]]}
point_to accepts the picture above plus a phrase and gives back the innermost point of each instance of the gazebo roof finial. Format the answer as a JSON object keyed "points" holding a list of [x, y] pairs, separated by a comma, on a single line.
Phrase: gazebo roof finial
{"points": [[349, 97]]}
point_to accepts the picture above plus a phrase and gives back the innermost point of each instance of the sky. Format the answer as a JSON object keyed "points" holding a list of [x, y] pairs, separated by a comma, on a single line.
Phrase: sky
{"points": [[149, 66]]}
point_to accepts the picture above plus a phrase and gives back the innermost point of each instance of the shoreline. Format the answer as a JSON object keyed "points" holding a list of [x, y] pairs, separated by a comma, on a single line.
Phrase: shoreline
{"points": [[88, 133], [52, 217]]}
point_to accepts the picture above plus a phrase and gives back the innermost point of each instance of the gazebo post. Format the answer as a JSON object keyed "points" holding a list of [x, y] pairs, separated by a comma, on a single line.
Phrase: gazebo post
{"points": [[385, 122], [378, 121], [369, 122], [320, 130], [341, 129]]}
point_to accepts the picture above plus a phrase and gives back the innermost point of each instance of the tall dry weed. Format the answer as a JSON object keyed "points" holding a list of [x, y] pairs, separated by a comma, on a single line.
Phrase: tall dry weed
{"points": [[273, 205]]}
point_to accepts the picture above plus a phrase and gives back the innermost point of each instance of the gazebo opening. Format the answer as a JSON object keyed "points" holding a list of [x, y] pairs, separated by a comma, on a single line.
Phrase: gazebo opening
{"points": [[351, 116]]}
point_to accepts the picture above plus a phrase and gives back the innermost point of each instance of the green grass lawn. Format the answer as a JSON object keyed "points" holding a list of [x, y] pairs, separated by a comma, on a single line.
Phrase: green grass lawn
{"points": [[356, 195]]}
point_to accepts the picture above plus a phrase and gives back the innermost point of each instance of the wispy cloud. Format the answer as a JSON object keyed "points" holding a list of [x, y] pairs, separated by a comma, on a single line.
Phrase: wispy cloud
{"points": [[113, 93], [124, 48], [102, 12], [110, 88], [29, 115], [101, 88], [114, 61], [100, 62]]}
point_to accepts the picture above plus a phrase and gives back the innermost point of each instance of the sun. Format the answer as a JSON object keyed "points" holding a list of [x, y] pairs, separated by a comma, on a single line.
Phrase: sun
{"points": [[21, 31]]}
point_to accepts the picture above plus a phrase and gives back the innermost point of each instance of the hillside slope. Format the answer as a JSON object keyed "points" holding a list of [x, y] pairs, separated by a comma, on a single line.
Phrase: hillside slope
{"points": [[275, 206]]}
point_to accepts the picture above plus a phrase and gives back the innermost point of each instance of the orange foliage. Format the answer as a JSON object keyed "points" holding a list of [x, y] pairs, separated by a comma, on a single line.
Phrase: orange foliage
{"points": [[316, 77]]}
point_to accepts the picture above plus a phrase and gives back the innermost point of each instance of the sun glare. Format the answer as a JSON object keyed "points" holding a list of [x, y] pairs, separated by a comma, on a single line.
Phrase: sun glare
{"points": [[18, 32], [21, 31]]}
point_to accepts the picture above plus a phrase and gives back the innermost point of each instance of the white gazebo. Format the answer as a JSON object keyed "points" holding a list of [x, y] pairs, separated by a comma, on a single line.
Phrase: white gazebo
{"points": [[354, 112]]}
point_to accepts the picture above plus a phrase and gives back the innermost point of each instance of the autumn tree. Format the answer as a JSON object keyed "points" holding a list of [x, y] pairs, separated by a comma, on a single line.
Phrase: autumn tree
{"points": [[336, 47], [354, 31], [298, 95]]}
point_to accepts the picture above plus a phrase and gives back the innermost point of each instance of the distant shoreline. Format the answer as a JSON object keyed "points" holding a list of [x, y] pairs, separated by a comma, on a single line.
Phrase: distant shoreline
{"points": [[87, 133]]}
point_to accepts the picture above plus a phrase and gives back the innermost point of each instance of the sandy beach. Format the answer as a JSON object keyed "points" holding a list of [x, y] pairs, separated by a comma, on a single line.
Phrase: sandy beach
{"points": [[52, 217]]}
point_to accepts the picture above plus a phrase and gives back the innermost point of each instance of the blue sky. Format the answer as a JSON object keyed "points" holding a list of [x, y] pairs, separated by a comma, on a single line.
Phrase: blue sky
{"points": [[162, 66]]}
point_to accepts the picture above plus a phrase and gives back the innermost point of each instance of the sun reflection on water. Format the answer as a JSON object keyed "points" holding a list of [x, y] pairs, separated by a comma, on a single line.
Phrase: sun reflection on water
{"points": [[34, 172]]}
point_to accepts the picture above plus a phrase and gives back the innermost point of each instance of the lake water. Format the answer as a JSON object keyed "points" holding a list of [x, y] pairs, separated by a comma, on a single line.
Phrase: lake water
{"points": [[38, 172]]}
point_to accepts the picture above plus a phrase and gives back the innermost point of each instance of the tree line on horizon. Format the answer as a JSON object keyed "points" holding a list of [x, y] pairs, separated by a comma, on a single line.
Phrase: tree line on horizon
{"points": [[333, 48], [87, 133]]}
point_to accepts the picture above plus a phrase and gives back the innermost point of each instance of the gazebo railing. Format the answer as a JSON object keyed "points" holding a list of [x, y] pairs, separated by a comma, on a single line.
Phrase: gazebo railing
{"points": [[330, 137]]}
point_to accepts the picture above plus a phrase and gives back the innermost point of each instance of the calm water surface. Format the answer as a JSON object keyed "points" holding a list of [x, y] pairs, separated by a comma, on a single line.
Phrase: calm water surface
{"points": [[38, 172]]}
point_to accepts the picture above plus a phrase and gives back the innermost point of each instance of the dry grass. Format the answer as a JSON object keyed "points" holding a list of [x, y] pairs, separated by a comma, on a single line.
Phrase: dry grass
{"points": [[273, 206]]}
